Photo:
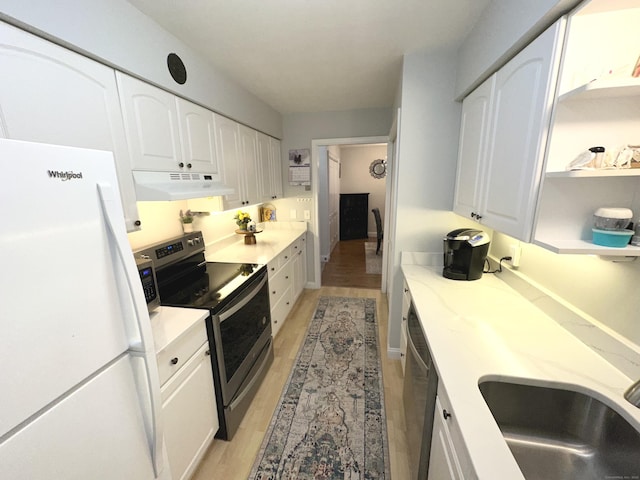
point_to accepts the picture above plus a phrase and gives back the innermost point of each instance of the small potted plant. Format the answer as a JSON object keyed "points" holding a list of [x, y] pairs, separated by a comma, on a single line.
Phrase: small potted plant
{"points": [[242, 220], [187, 221]]}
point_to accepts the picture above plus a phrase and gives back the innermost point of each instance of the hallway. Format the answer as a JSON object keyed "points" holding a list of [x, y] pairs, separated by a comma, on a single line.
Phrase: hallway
{"points": [[347, 267]]}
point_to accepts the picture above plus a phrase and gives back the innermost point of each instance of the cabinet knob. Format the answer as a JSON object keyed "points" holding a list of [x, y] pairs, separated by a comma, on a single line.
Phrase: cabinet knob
{"points": [[188, 165], [181, 165], [401, 355], [174, 360], [208, 352], [406, 290], [445, 414], [287, 277], [137, 223], [274, 292]]}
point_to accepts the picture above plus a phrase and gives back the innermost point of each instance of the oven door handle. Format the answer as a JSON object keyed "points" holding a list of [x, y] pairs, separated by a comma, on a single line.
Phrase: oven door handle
{"points": [[238, 304]]}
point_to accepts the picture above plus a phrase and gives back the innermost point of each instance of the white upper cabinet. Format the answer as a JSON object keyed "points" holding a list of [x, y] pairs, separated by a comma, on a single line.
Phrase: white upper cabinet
{"points": [[228, 150], [472, 149], [520, 111], [269, 168], [198, 138], [49, 94], [249, 162], [151, 122]]}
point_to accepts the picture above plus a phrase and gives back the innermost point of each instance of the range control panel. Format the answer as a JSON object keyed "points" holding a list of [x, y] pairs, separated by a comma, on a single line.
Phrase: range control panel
{"points": [[172, 250]]}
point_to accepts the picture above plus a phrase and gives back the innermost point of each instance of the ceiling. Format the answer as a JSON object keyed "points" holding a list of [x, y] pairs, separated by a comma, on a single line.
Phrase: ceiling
{"points": [[315, 55]]}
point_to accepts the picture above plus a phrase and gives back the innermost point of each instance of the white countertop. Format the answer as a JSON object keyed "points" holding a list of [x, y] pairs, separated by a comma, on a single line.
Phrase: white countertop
{"points": [[483, 330], [269, 243], [170, 323]]}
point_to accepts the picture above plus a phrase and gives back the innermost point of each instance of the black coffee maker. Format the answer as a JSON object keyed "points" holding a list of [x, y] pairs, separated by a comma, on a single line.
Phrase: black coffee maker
{"points": [[465, 251]]}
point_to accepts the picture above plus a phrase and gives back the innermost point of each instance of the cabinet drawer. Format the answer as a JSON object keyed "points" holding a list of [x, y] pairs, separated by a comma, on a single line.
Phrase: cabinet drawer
{"points": [[284, 256], [453, 427], [280, 310], [176, 354], [280, 282]]}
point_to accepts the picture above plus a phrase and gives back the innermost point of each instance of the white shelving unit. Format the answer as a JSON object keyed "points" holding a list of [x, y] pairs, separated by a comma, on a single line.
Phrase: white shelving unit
{"points": [[603, 112]]}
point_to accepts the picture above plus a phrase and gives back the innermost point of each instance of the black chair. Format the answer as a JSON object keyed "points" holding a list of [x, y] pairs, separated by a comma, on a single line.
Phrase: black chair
{"points": [[376, 215]]}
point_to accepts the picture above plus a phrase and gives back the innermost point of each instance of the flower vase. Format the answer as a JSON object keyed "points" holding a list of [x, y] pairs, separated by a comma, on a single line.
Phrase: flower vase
{"points": [[187, 227]]}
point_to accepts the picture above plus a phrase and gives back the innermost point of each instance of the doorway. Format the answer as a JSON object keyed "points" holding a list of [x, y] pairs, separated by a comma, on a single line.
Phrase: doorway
{"points": [[351, 167]]}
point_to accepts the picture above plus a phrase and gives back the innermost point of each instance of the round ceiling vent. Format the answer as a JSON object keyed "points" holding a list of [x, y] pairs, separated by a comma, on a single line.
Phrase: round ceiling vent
{"points": [[176, 68]]}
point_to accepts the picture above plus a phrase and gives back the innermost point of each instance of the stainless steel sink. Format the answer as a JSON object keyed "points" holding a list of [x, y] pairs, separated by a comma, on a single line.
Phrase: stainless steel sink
{"points": [[564, 435]]}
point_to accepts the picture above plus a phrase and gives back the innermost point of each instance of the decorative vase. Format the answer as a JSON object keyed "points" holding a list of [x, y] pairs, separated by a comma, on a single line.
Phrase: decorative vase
{"points": [[187, 227]]}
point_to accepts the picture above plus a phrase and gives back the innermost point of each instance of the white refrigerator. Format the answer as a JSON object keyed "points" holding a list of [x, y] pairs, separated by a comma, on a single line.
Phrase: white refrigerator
{"points": [[79, 385]]}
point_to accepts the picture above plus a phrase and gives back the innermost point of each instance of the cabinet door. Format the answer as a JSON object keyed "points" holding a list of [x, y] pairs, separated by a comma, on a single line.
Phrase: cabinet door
{"points": [[265, 187], [472, 149], [52, 95], [519, 127], [198, 138], [406, 303], [443, 462], [276, 168], [151, 123], [249, 161], [190, 414], [299, 267], [228, 150]]}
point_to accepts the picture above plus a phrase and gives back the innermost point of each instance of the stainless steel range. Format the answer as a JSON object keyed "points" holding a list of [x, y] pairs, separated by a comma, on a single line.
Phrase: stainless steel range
{"points": [[239, 323]]}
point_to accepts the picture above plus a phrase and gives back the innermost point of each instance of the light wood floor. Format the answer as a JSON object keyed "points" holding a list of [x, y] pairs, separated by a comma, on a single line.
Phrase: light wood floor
{"points": [[347, 267], [233, 460]]}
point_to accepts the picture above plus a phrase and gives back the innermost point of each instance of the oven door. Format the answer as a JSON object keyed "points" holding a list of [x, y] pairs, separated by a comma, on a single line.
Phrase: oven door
{"points": [[241, 331]]}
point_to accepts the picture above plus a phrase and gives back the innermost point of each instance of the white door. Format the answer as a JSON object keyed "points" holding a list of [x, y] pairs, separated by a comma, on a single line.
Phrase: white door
{"points": [[228, 149], [198, 138], [472, 149], [51, 95], [265, 186], [519, 125], [249, 161], [64, 312], [151, 123]]}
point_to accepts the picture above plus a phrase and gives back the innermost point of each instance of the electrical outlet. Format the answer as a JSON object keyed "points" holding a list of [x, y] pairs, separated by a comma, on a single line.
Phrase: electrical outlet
{"points": [[515, 251], [307, 214]]}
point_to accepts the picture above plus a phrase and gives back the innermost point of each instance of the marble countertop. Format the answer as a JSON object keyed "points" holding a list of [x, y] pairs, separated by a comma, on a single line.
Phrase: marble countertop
{"points": [[485, 330], [274, 238], [170, 323]]}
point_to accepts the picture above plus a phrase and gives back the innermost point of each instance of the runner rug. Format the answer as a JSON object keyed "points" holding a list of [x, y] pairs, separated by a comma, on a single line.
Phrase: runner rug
{"points": [[373, 262], [330, 422]]}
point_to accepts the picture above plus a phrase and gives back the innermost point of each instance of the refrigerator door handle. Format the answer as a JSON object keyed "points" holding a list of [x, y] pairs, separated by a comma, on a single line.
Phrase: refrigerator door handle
{"points": [[112, 212]]}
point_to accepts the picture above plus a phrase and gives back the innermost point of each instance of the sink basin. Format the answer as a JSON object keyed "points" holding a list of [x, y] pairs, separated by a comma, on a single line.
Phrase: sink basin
{"points": [[561, 434]]}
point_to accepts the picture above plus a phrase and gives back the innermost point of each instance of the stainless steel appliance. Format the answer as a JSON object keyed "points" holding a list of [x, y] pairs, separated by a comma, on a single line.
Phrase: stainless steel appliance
{"points": [[465, 251], [149, 283], [239, 323], [419, 396]]}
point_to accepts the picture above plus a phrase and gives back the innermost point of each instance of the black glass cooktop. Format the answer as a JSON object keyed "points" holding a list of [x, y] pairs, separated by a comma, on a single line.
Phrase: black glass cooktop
{"points": [[207, 284]]}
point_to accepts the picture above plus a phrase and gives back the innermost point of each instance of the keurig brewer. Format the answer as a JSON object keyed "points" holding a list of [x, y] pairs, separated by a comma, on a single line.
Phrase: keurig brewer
{"points": [[465, 251]]}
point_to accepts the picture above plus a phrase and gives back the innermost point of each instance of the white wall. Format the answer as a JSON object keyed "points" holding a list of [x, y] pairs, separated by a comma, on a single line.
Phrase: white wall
{"points": [[426, 165], [116, 33], [355, 161], [301, 128], [504, 28]]}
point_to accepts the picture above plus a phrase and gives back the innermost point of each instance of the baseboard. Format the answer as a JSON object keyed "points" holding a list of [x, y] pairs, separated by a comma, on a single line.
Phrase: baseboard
{"points": [[393, 353]]}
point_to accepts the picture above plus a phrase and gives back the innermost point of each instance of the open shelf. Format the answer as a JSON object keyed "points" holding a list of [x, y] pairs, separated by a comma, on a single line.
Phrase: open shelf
{"points": [[585, 247], [619, 172], [608, 88]]}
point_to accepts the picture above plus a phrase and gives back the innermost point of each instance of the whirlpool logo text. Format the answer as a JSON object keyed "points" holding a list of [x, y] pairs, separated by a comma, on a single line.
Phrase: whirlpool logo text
{"points": [[64, 176]]}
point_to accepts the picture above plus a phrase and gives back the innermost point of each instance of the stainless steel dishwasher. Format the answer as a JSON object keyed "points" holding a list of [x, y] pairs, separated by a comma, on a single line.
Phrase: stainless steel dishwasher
{"points": [[419, 396]]}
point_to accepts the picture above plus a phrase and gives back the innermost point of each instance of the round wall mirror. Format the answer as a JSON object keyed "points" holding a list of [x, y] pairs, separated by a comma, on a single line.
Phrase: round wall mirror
{"points": [[378, 168]]}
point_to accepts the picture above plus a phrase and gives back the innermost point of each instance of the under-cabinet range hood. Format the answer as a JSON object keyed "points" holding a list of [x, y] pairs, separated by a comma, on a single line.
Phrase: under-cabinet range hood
{"points": [[166, 186]]}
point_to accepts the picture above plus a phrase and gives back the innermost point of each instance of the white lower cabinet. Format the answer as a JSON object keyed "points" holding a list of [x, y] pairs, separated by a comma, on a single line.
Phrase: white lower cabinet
{"points": [[287, 277], [449, 458], [188, 406], [406, 303]]}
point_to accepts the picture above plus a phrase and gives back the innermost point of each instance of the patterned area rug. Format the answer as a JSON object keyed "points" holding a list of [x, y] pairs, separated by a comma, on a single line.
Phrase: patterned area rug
{"points": [[373, 261], [330, 422]]}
